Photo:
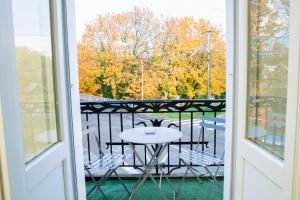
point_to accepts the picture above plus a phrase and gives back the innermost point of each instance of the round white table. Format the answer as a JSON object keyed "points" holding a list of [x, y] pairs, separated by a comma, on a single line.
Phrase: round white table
{"points": [[158, 138], [150, 135]]}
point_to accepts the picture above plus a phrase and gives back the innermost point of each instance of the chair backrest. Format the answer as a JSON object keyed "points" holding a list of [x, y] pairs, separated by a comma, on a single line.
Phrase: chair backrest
{"points": [[212, 122], [209, 122], [88, 127], [90, 130]]}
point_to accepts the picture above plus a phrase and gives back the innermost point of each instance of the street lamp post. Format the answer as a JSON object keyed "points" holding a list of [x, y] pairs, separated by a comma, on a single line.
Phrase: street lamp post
{"points": [[208, 61], [142, 81]]}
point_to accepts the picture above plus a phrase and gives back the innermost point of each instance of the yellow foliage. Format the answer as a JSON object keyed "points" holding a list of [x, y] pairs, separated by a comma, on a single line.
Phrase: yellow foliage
{"points": [[171, 53]]}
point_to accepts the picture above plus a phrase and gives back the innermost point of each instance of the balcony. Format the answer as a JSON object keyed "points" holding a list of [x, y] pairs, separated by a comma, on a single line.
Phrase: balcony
{"points": [[112, 117]]}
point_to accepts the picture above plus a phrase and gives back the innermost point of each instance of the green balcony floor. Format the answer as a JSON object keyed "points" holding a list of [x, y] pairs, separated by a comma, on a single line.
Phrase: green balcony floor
{"points": [[191, 190]]}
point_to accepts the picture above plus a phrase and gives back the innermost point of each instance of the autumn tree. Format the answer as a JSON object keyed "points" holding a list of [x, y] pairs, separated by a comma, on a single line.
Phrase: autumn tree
{"points": [[121, 53]]}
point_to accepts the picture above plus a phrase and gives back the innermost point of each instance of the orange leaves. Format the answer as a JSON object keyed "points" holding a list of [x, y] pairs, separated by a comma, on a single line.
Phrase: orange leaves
{"points": [[88, 71], [122, 54]]}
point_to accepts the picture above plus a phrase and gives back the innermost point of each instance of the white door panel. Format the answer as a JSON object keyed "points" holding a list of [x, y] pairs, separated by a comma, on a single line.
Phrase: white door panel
{"points": [[263, 161], [266, 89], [37, 119], [43, 190], [49, 161], [264, 187]]}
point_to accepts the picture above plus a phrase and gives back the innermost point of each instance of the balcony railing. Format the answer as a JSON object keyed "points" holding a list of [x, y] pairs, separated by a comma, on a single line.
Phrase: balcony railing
{"points": [[112, 117]]}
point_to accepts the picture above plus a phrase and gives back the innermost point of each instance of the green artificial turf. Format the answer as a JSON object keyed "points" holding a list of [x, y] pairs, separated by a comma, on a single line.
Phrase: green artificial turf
{"points": [[191, 190]]}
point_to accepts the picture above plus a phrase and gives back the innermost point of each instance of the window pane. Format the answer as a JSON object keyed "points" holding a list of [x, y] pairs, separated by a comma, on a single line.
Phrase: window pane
{"points": [[267, 73], [34, 59]]}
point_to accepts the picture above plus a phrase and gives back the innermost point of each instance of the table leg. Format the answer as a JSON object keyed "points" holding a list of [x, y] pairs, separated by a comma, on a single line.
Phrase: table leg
{"points": [[148, 168], [143, 177], [163, 173]]}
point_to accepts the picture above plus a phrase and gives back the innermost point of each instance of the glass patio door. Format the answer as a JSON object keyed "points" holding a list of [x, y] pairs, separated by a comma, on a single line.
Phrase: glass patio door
{"points": [[267, 88], [34, 92]]}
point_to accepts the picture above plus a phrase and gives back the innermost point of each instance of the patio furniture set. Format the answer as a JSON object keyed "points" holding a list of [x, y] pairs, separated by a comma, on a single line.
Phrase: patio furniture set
{"points": [[155, 139]]}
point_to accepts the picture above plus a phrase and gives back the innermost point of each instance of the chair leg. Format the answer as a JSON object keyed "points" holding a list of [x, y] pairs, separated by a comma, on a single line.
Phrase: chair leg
{"points": [[103, 179], [160, 179], [194, 172], [214, 177], [121, 181], [200, 181], [167, 179], [97, 185], [182, 180]]}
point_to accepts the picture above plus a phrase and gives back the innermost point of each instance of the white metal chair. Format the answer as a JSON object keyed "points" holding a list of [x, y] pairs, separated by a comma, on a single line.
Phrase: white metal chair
{"points": [[106, 162], [202, 158]]}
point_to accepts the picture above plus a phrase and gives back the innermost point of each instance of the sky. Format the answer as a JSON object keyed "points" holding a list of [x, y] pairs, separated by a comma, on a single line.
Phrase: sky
{"points": [[212, 10]]}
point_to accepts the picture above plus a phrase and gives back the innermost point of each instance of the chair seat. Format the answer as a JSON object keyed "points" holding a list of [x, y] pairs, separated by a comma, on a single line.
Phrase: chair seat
{"points": [[199, 157], [106, 161]]}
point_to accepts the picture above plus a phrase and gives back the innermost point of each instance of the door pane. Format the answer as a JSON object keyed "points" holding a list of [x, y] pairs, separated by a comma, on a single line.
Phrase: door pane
{"points": [[34, 59], [267, 73]]}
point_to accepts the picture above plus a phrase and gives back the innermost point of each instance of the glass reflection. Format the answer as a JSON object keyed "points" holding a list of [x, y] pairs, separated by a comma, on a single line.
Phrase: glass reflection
{"points": [[34, 60], [267, 73]]}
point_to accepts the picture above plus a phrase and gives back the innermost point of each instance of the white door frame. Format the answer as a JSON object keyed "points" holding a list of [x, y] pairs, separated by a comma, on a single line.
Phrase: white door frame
{"points": [[293, 106], [231, 35], [70, 26], [4, 180], [15, 163], [295, 52], [230, 97]]}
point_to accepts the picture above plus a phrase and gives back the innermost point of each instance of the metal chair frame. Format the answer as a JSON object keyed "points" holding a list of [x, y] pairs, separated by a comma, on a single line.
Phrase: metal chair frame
{"points": [[202, 158], [108, 162]]}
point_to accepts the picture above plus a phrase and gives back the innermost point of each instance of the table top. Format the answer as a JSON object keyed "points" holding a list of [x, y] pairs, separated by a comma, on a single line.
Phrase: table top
{"points": [[150, 135]]}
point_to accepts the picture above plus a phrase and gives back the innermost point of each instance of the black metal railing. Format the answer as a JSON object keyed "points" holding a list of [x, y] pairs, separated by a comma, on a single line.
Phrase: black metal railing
{"points": [[112, 117]]}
